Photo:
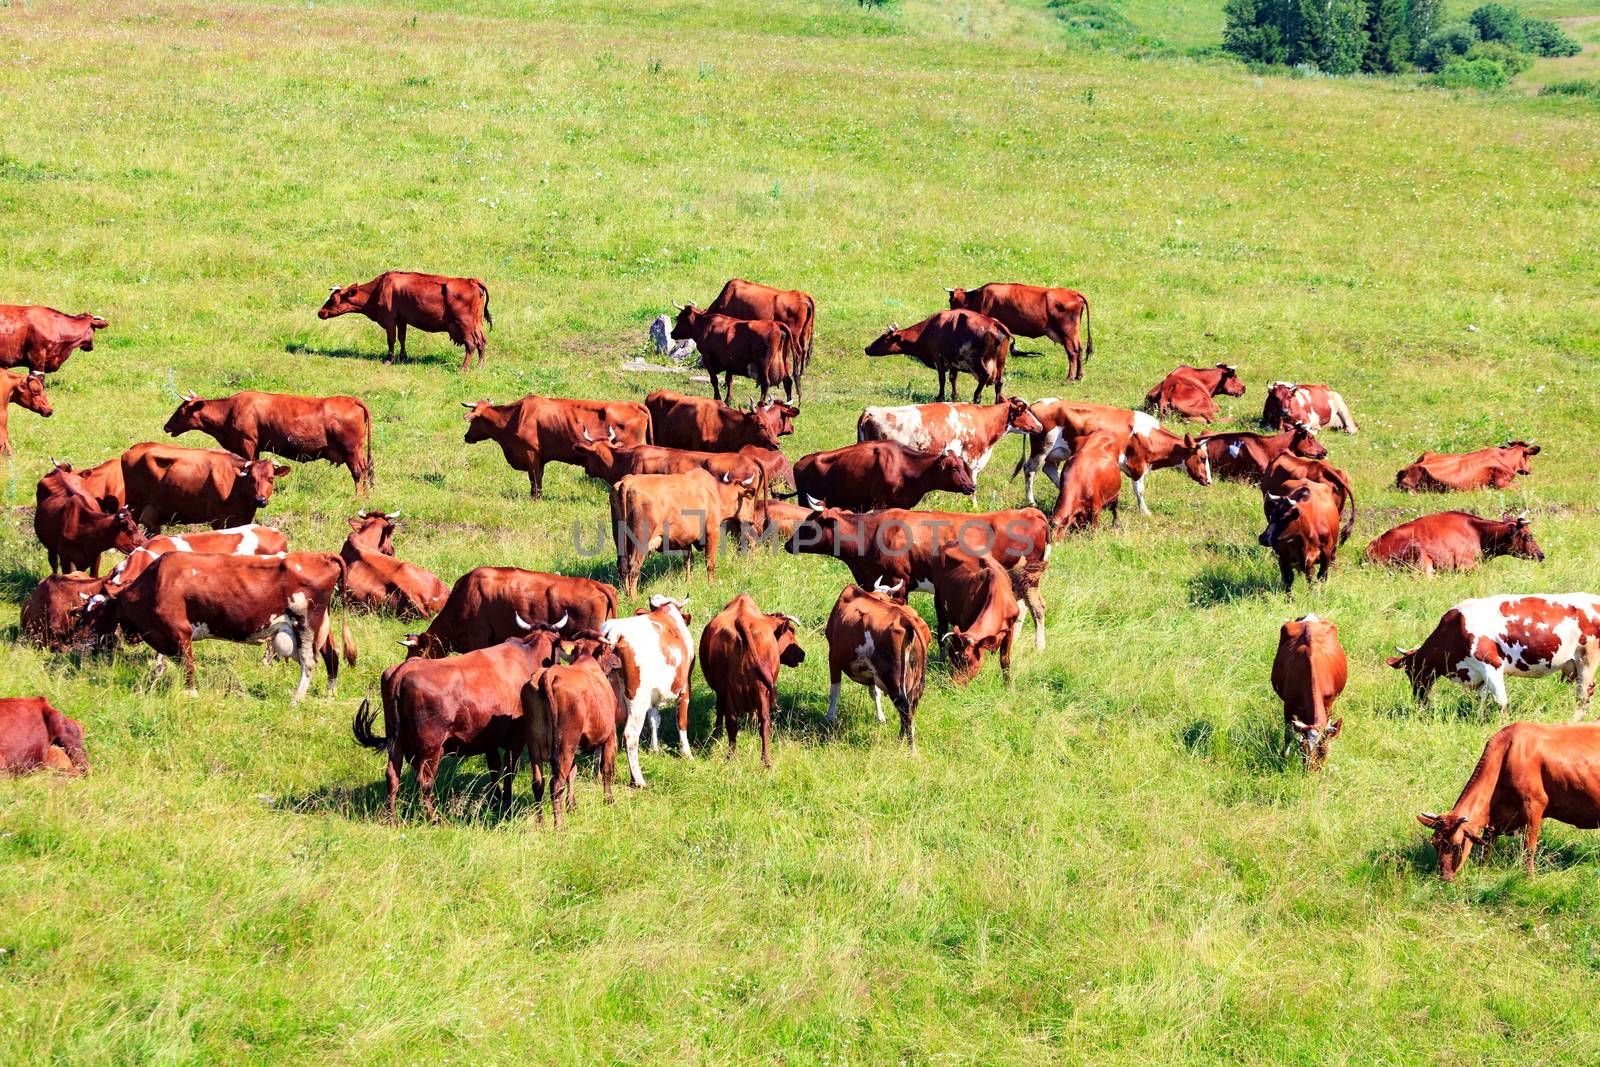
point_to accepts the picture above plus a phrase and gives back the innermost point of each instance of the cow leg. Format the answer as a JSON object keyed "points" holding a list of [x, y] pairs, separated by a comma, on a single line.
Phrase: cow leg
{"points": [[561, 778], [833, 700], [186, 649], [683, 722], [877, 701], [1286, 574], [713, 536], [725, 718], [1533, 814], [977, 394], [1588, 660], [654, 715], [631, 732], [1138, 492], [427, 770], [764, 713], [403, 354], [496, 769], [1005, 653], [536, 479], [388, 333], [395, 762], [1288, 738], [1052, 470], [608, 766], [1494, 679]]}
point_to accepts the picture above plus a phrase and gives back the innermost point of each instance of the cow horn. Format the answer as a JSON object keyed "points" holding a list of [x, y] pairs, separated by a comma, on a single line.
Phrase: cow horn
{"points": [[677, 306], [469, 403], [1522, 516], [586, 435], [611, 434], [559, 623], [948, 289], [748, 480], [893, 325], [1402, 651], [726, 478], [335, 289], [392, 516], [83, 596], [524, 623], [409, 640], [1432, 816]]}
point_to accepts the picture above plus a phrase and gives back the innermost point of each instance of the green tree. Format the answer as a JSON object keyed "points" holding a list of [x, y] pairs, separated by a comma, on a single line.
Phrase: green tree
{"points": [[1252, 31], [1497, 22], [1422, 18], [1388, 37], [1331, 36]]}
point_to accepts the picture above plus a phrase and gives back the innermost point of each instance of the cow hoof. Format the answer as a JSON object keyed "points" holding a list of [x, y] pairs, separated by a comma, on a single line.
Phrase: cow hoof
{"points": [[191, 692], [635, 785]]}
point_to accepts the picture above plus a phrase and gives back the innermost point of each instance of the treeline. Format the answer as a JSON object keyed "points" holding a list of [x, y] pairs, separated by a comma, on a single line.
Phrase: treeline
{"points": [[1487, 48]]}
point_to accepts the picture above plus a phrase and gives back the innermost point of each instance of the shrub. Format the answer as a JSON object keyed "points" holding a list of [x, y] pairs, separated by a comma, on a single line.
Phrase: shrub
{"points": [[1497, 22], [1447, 43], [1586, 87], [1252, 33], [1545, 38], [1513, 61], [1472, 74]]}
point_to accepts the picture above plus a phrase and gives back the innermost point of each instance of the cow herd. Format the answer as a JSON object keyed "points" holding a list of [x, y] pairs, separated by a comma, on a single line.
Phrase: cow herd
{"points": [[515, 662]]}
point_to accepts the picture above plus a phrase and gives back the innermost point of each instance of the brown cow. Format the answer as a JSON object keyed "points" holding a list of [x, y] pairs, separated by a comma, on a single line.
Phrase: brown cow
{"points": [[186, 597], [778, 470], [467, 705], [572, 707], [1308, 674], [779, 521], [1310, 407], [792, 307], [881, 644], [488, 605], [1289, 470], [30, 728], [25, 391], [759, 349], [1146, 446], [1246, 456], [537, 430], [1093, 482], [1035, 311], [651, 512], [168, 484], [1303, 531], [1487, 468], [103, 481], [333, 428], [41, 338], [241, 541], [741, 650], [975, 597], [879, 474], [698, 424], [1528, 772], [610, 464], [73, 527], [53, 614], [1454, 540], [971, 431], [657, 659], [432, 303], [378, 581], [950, 342], [1188, 391]]}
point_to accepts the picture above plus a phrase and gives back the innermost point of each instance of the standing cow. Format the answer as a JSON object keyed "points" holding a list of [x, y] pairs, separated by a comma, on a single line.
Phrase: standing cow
{"points": [[74, 526], [25, 391], [741, 650], [1035, 311], [879, 474], [1308, 674], [167, 484], [249, 540], [882, 645], [1093, 482], [950, 342], [1303, 531], [699, 424], [333, 428], [975, 596], [488, 605], [432, 303], [759, 349], [657, 656], [41, 338], [792, 307], [30, 728], [568, 708], [538, 430], [677, 513], [1145, 445], [971, 431]]}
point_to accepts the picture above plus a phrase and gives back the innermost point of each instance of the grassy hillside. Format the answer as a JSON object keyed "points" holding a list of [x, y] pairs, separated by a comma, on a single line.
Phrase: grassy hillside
{"points": [[1103, 863]]}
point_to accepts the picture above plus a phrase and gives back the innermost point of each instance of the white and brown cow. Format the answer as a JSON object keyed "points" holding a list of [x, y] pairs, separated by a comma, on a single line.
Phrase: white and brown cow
{"points": [[1145, 445], [657, 654], [1480, 641], [971, 431], [252, 540], [882, 645], [1309, 407]]}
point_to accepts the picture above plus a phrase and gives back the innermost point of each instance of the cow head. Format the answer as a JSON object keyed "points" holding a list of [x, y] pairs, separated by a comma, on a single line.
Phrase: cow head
{"points": [[1517, 454], [817, 533], [1275, 410], [1230, 385], [958, 298], [29, 394], [1519, 541], [344, 299], [889, 343], [1419, 670], [1196, 458], [745, 509], [1020, 417], [1411, 478], [1314, 741], [1282, 511], [598, 458], [425, 645], [374, 530], [126, 532], [481, 421], [257, 476], [1452, 839], [1305, 445], [786, 633], [965, 653], [187, 415], [777, 415], [660, 601], [67, 734], [687, 322], [954, 472]]}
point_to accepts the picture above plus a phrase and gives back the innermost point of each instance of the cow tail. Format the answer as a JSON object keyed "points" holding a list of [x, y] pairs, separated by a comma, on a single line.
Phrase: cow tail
{"points": [[361, 727], [366, 413], [1015, 351], [349, 648], [809, 329], [758, 666], [1349, 523], [484, 289], [611, 599], [1088, 330]]}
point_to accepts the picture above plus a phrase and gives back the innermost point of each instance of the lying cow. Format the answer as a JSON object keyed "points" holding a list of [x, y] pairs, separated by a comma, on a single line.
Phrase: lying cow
{"points": [[741, 651], [377, 581], [1454, 540], [333, 428], [432, 303], [1480, 641], [240, 541], [488, 605], [1092, 484], [568, 708], [698, 424], [657, 656], [30, 729], [73, 526], [971, 431], [1188, 390], [1246, 456], [1309, 407], [186, 597], [1487, 468], [975, 597], [167, 484], [882, 645], [537, 430], [53, 614], [41, 338], [879, 474], [678, 512], [792, 307], [1303, 531], [27, 392], [1308, 674], [759, 349], [950, 342], [1035, 311], [1528, 772], [1146, 446]]}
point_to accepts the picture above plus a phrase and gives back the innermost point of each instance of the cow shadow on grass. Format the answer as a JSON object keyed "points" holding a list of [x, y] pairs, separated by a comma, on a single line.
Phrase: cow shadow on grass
{"points": [[463, 795], [17, 582], [370, 355]]}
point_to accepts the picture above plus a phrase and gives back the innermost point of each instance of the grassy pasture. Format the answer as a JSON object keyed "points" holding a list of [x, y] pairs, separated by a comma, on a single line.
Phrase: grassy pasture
{"points": [[1103, 863]]}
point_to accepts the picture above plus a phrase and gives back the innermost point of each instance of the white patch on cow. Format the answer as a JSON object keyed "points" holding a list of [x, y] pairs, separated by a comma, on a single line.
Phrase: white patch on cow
{"points": [[249, 541], [1483, 617], [1234, 448], [180, 545], [648, 640], [1144, 424], [1048, 400], [862, 668]]}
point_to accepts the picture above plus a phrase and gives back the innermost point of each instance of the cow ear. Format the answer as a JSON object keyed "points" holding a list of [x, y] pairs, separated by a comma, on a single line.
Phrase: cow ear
{"points": [[1301, 495], [355, 524], [1396, 661], [1333, 731], [280, 471]]}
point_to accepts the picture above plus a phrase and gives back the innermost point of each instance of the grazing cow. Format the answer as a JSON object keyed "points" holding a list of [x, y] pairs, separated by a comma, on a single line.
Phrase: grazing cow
{"points": [[879, 474], [186, 597], [1289, 471], [1035, 311], [29, 728], [1246, 456], [168, 484], [1308, 674], [950, 342], [240, 541], [53, 614], [792, 307], [1480, 641], [975, 598], [25, 391], [882, 645], [41, 338], [1454, 540], [779, 521], [697, 424], [970, 431], [758, 349], [775, 465], [537, 430], [652, 512], [572, 707], [488, 605], [1303, 531], [467, 705], [1528, 772], [1093, 482], [378, 581], [1188, 391], [334, 428], [899, 549], [432, 303], [741, 650], [1310, 407], [1487, 468], [611, 465], [1145, 445], [73, 526], [657, 655]]}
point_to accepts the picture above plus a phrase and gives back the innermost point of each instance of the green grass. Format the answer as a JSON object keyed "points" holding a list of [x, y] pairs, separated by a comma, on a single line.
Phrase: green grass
{"points": [[1103, 863]]}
